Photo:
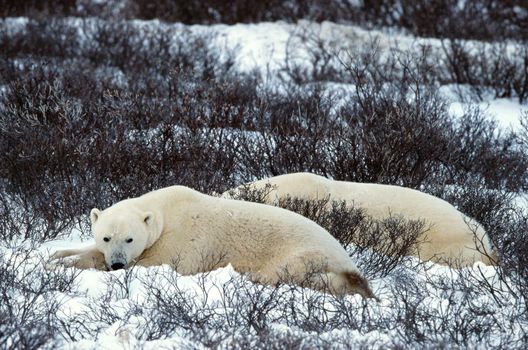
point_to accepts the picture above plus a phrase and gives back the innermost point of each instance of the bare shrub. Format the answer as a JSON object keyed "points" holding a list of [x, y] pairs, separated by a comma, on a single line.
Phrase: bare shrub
{"points": [[392, 239], [40, 37], [15, 8], [393, 127], [28, 307], [95, 165], [97, 140], [243, 308], [243, 313], [218, 311], [473, 19], [500, 68], [26, 217], [212, 11]]}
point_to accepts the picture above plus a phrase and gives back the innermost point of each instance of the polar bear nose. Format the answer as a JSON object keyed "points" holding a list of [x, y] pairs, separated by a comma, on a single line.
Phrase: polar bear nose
{"points": [[117, 266]]}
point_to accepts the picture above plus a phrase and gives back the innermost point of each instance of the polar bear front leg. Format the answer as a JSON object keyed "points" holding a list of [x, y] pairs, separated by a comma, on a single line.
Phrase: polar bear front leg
{"points": [[69, 252], [83, 258]]}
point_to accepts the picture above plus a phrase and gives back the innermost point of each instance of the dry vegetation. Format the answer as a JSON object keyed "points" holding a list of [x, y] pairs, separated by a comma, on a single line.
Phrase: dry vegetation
{"points": [[98, 112]]}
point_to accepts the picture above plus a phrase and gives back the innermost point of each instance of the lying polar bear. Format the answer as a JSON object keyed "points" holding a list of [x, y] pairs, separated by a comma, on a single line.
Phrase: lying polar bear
{"points": [[450, 235], [197, 233]]}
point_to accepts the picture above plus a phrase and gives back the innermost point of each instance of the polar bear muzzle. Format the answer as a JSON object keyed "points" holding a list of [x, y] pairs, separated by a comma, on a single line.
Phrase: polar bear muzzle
{"points": [[118, 261]]}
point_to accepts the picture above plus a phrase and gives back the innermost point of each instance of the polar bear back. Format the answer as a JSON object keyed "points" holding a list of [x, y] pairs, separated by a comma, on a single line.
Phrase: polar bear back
{"points": [[450, 233], [250, 236]]}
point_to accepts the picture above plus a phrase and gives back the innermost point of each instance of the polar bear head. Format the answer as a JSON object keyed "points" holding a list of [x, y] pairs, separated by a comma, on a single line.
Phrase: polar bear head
{"points": [[122, 234]]}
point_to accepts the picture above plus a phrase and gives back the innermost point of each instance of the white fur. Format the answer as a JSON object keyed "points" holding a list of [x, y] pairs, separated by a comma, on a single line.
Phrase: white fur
{"points": [[197, 233], [449, 237]]}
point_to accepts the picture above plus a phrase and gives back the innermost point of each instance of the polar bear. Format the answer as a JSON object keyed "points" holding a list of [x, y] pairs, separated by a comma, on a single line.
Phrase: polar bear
{"points": [[450, 237], [197, 233]]}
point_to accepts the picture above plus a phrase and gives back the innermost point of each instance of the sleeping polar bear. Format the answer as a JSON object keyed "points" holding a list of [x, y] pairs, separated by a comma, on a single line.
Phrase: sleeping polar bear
{"points": [[450, 235], [198, 233]]}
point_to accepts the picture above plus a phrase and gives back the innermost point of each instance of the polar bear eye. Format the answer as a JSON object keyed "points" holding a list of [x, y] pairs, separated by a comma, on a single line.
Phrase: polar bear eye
{"points": [[129, 240], [106, 239]]}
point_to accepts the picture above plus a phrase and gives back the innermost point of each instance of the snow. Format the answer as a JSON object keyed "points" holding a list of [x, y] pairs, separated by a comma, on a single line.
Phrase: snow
{"points": [[507, 112], [263, 47], [14, 25], [257, 45], [521, 201], [217, 290]]}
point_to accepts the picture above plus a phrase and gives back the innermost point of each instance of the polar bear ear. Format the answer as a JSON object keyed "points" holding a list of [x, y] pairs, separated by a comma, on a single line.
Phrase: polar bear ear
{"points": [[148, 217], [94, 215]]}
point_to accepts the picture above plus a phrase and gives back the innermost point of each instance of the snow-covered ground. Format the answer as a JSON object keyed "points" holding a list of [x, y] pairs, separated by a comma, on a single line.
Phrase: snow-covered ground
{"points": [[114, 310], [507, 112]]}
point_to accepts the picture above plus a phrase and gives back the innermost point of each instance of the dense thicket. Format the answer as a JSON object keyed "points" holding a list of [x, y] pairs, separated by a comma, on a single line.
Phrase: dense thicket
{"points": [[469, 19]]}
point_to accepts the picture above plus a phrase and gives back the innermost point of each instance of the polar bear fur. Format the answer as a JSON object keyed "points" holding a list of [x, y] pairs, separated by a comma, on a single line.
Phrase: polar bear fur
{"points": [[198, 233], [449, 237]]}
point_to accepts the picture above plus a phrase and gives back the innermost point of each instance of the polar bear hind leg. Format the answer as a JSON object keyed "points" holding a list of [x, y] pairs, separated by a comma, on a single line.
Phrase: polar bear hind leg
{"points": [[314, 274]]}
